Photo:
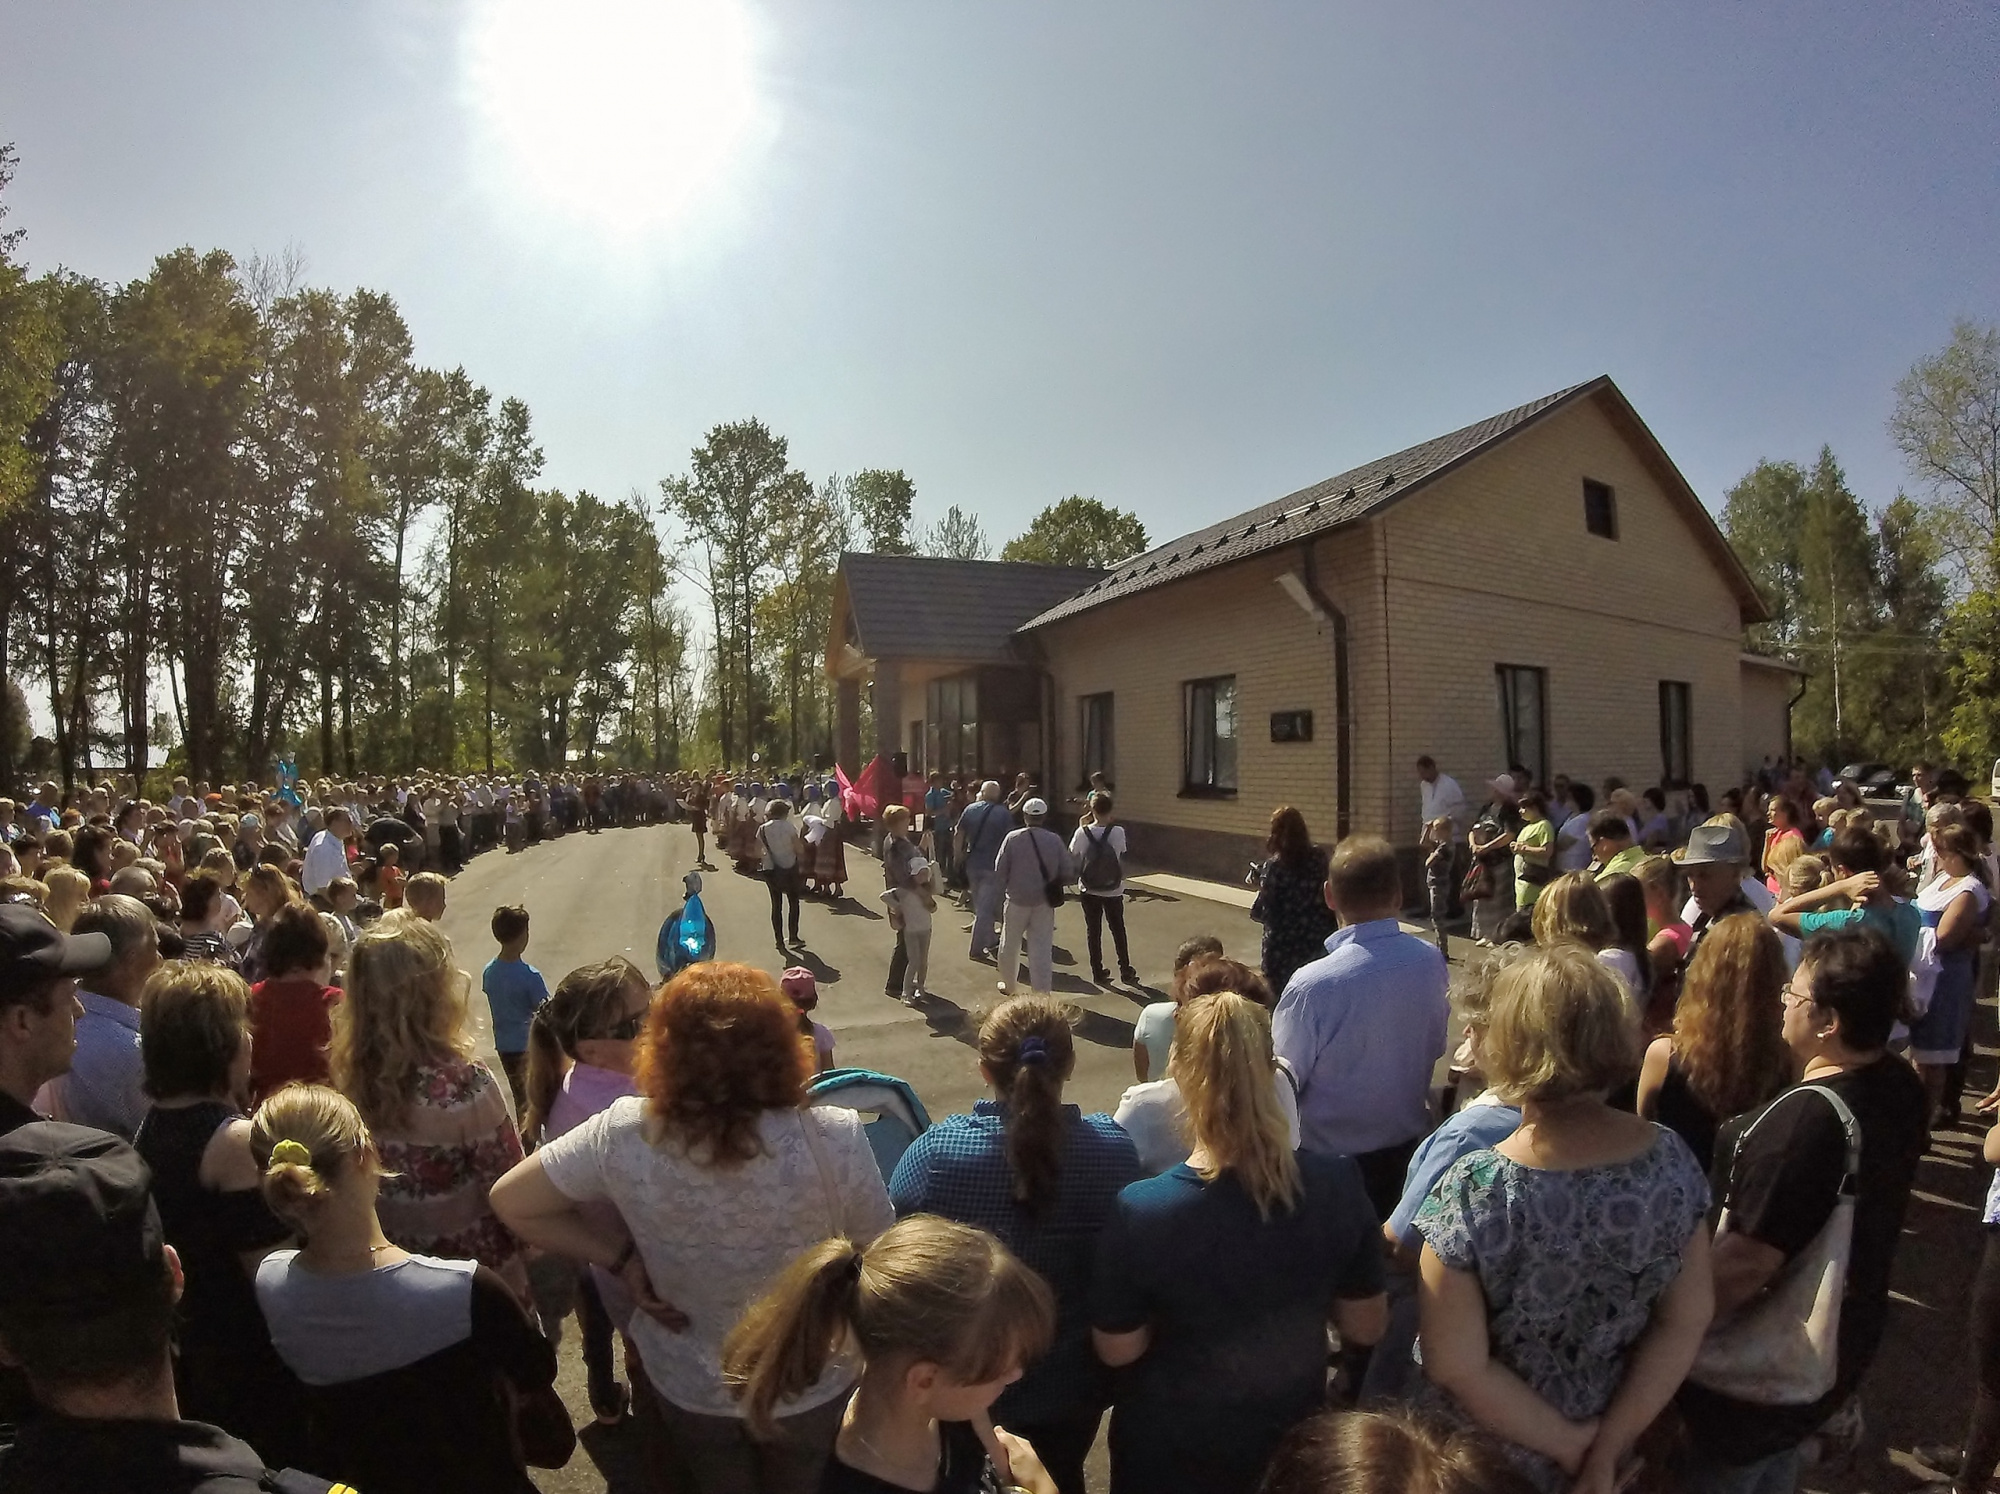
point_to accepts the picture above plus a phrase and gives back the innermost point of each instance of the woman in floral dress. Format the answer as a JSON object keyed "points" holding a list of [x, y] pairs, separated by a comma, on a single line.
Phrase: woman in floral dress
{"points": [[1291, 899], [443, 1126], [1565, 1274]]}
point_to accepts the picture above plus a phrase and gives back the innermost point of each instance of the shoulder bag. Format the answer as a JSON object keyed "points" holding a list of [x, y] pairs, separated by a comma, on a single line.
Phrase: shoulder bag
{"points": [[1782, 1349], [1052, 887]]}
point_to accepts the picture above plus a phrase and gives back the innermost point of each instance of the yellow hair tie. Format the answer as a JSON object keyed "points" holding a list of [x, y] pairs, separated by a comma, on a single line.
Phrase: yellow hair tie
{"points": [[294, 1152]]}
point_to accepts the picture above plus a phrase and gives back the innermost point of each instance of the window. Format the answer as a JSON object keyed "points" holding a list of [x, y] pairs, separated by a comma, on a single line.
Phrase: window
{"points": [[1600, 508], [1676, 732], [1209, 757], [951, 734], [1096, 738], [1524, 717]]}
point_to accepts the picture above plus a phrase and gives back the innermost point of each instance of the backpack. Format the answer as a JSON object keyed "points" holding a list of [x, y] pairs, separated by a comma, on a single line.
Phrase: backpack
{"points": [[1101, 868]]}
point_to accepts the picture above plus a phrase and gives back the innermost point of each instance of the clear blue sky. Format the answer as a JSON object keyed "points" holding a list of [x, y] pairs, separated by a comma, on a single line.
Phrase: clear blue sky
{"points": [[1182, 257]]}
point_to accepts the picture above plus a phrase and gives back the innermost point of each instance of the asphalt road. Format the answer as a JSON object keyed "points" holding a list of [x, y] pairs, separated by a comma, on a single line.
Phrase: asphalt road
{"points": [[595, 896]]}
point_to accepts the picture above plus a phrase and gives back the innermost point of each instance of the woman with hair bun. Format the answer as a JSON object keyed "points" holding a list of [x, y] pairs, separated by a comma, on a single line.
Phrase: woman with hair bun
{"points": [[1225, 1361], [720, 1174], [944, 1319], [1042, 1177], [412, 1365]]}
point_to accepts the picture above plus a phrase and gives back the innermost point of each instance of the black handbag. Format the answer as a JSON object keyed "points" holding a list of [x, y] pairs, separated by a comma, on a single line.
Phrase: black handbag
{"points": [[1052, 887]]}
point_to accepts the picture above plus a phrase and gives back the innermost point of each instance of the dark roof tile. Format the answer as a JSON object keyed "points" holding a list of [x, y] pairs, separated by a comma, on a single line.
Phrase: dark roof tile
{"points": [[1325, 505], [922, 607]]}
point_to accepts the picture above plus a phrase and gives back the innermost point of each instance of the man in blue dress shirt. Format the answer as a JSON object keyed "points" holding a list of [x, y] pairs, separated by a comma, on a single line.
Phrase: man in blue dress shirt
{"points": [[1363, 1027]]}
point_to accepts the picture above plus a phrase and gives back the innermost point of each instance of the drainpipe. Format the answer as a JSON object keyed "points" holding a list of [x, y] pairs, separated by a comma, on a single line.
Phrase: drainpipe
{"points": [[1790, 705], [1343, 738]]}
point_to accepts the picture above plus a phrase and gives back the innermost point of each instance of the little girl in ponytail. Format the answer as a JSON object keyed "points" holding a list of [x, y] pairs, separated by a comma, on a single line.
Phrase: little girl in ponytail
{"points": [[944, 1318]]}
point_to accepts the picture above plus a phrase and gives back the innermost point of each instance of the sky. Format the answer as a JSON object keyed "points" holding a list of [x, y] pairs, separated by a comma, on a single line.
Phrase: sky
{"points": [[1184, 258]]}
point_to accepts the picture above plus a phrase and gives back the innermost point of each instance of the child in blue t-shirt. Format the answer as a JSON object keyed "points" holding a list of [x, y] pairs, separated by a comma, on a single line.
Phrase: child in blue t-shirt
{"points": [[514, 991]]}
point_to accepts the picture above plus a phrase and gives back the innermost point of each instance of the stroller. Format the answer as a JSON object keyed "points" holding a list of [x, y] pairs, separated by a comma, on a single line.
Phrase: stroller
{"points": [[898, 1115], [688, 935]]}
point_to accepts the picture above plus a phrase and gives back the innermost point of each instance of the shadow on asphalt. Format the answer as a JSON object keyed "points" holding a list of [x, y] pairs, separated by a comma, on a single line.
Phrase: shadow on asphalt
{"points": [[823, 973]]}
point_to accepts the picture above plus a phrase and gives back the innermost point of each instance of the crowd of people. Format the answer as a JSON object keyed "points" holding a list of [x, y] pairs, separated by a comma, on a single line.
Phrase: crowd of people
{"points": [[266, 1209]]}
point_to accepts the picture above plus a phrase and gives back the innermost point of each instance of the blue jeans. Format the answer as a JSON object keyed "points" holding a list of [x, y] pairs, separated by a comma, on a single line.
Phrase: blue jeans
{"points": [[1777, 1474], [988, 898]]}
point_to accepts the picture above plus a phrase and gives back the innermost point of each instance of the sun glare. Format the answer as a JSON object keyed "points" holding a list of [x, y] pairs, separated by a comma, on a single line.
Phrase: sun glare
{"points": [[618, 114]]}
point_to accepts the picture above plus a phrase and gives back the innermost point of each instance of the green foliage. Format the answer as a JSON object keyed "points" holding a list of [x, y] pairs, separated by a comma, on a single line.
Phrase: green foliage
{"points": [[957, 536], [1079, 531], [237, 492], [881, 502], [1947, 425], [1860, 606], [1972, 647]]}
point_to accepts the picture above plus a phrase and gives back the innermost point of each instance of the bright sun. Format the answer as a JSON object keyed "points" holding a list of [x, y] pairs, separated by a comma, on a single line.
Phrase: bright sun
{"points": [[616, 113]]}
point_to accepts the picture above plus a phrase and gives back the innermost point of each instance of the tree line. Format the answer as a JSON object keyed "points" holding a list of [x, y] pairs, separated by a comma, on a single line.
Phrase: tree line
{"points": [[221, 485], [1896, 612]]}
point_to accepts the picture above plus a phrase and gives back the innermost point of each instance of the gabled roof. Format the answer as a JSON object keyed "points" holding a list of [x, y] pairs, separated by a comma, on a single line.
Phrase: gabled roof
{"points": [[921, 607], [1368, 489]]}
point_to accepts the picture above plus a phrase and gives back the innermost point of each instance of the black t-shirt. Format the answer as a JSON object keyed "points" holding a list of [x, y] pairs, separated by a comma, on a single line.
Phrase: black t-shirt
{"points": [[963, 1468], [14, 1115], [66, 1455], [1781, 1191]]}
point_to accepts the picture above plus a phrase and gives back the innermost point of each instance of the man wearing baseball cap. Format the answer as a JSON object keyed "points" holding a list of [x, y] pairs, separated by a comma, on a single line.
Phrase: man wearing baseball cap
{"points": [[86, 1310], [39, 965], [1032, 860]]}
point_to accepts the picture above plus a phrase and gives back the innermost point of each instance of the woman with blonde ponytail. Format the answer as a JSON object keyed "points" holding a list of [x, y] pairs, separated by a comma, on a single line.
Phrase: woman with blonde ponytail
{"points": [[410, 1364], [944, 1319], [1226, 1361], [1042, 1177]]}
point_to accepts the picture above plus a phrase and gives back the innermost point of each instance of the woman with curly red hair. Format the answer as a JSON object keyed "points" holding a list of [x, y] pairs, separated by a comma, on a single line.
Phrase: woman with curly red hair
{"points": [[1727, 1051], [720, 1174]]}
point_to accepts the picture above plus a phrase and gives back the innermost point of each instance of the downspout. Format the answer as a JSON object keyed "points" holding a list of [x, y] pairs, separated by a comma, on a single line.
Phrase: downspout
{"points": [[1343, 740], [1790, 705]]}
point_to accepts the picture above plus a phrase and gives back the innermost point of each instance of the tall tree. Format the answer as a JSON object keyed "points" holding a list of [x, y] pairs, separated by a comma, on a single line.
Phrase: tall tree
{"points": [[957, 536], [1947, 425], [27, 354], [740, 483], [180, 382], [1079, 531], [881, 502]]}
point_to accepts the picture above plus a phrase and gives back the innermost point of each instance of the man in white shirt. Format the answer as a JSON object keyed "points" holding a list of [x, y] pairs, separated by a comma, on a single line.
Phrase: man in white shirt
{"points": [[1442, 798], [326, 857]]}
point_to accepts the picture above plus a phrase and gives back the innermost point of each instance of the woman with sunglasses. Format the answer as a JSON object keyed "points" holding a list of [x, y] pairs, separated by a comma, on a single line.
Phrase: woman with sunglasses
{"points": [[581, 1050]]}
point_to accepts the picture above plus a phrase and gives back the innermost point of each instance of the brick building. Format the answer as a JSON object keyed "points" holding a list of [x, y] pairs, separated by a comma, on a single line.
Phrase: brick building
{"points": [[1541, 587]]}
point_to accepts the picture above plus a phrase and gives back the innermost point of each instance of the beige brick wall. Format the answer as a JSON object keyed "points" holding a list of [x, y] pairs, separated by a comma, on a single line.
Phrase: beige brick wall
{"points": [[1767, 697], [1490, 565], [1493, 565], [1236, 620]]}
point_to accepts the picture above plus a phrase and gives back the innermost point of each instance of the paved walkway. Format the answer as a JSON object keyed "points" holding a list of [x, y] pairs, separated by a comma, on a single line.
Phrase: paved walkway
{"points": [[592, 896]]}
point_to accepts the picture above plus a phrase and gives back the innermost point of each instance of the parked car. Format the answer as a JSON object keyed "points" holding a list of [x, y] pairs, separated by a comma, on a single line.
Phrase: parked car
{"points": [[1875, 779]]}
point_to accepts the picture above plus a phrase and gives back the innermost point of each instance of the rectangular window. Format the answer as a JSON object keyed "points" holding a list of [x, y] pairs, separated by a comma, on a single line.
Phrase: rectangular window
{"points": [[1209, 754], [1095, 738], [1676, 732], [1600, 508], [1524, 717]]}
